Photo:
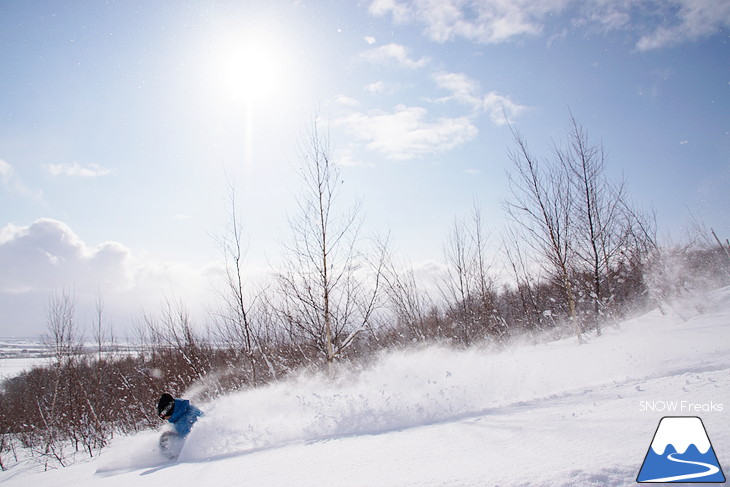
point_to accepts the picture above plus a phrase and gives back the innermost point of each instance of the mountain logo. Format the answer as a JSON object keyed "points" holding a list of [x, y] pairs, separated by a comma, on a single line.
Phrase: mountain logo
{"points": [[681, 452]]}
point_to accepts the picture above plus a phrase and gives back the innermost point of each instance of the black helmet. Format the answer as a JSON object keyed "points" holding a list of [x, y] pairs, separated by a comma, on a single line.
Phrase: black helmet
{"points": [[166, 405]]}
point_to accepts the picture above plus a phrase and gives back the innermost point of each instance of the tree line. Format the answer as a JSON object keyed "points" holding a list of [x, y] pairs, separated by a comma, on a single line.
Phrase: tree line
{"points": [[577, 253]]}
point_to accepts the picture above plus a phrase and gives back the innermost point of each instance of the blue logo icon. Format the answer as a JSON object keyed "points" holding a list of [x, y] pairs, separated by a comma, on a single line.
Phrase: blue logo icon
{"points": [[681, 452]]}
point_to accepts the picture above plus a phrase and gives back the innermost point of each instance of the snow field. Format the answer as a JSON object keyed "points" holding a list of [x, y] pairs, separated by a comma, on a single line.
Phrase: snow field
{"points": [[407, 389], [552, 414], [11, 367]]}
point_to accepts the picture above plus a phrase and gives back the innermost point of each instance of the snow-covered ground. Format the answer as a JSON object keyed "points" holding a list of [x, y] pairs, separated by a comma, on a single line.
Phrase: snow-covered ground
{"points": [[10, 367], [20, 354], [551, 414]]}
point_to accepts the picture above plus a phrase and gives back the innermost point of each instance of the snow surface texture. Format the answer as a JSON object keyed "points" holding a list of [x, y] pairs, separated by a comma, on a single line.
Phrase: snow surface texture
{"points": [[552, 414]]}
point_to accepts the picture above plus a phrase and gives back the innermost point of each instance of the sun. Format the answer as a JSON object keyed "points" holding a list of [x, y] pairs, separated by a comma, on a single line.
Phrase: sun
{"points": [[248, 68], [250, 71]]}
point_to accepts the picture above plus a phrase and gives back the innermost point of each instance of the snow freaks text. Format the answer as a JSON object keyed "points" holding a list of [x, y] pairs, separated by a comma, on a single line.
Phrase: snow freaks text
{"points": [[681, 407]]}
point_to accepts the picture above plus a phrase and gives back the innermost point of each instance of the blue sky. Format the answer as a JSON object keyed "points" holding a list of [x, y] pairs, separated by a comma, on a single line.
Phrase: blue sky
{"points": [[121, 121]]}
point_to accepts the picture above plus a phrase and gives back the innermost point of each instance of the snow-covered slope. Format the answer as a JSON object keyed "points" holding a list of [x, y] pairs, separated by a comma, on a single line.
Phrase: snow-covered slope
{"points": [[552, 414]]}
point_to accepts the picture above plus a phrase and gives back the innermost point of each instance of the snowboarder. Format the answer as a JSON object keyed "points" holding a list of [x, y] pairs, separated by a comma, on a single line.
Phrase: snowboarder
{"points": [[182, 415]]}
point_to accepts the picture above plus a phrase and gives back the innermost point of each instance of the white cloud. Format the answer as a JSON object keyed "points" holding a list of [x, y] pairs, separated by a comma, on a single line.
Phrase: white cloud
{"points": [[499, 108], [401, 11], [48, 255], [461, 86], [376, 87], [12, 182], [406, 132], [381, 87], [429, 276], [694, 20], [394, 54], [76, 169], [6, 172], [346, 157], [608, 15], [487, 22], [346, 101], [496, 21]]}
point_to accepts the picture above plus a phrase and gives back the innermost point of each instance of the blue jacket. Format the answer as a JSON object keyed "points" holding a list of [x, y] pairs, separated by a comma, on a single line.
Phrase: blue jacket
{"points": [[183, 416]]}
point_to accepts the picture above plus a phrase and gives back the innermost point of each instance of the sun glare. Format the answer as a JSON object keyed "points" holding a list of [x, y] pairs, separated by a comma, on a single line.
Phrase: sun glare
{"points": [[250, 71], [248, 67]]}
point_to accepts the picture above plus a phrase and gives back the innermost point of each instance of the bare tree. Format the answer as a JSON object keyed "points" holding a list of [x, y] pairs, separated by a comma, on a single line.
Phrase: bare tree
{"points": [[724, 246], [174, 332], [602, 230], [63, 331], [102, 330], [541, 207], [710, 236], [234, 320], [327, 299], [457, 289], [408, 303], [531, 316], [53, 408], [468, 285]]}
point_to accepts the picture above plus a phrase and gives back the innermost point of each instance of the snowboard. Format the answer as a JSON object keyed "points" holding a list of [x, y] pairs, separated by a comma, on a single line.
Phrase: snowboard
{"points": [[171, 444]]}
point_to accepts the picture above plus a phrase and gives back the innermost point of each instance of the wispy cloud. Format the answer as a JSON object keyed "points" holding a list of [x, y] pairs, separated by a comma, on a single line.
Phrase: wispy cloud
{"points": [[407, 132], [465, 90], [460, 85], [345, 157], [10, 180], [694, 19], [656, 24], [6, 172], [376, 87], [394, 54], [79, 170], [346, 101], [384, 88], [487, 22]]}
